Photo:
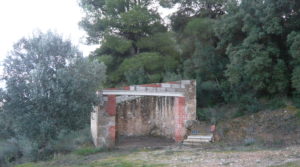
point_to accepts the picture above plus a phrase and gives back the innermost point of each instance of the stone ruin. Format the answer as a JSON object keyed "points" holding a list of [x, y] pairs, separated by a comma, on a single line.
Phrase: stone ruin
{"points": [[160, 109]]}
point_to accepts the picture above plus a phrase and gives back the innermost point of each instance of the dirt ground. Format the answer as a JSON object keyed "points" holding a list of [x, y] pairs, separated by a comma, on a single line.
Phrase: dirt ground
{"points": [[138, 152], [164, 152], [142, 142], [182, 156]]}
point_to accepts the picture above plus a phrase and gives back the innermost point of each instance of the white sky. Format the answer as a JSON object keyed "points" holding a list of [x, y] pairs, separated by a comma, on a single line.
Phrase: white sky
{"points": [[19, 18]]}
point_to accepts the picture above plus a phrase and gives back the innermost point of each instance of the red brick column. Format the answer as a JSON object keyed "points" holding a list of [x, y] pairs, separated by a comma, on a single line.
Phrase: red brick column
{"points": [[111, 109], [180, 118], [111, 105]]}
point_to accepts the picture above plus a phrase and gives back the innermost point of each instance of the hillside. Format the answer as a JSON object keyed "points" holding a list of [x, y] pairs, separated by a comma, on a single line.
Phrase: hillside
{"points": [[272, 128]]}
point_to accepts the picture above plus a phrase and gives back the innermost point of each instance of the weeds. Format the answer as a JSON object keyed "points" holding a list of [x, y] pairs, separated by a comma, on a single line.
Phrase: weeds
{"points": [[290, 164], [88, 151], [28, 165], [121, 162]]}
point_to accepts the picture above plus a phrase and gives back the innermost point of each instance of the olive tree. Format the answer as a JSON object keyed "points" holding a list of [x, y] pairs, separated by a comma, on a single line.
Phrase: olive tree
{"points": [[50, 86]]}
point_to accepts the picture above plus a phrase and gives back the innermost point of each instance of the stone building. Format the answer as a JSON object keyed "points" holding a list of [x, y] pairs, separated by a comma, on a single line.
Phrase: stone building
{"points": [[160, 109]]}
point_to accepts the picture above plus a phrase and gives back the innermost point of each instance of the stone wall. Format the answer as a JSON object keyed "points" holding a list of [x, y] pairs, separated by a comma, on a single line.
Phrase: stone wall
{"points": [[146, 116]]}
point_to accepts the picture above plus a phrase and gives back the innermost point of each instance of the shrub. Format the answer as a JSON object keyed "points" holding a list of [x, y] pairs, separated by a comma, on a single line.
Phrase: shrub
{"points": [[249, 141], [69, 141], [212, 114], [203, 114], [22, 148], [250, 104], [28, 148], [9, 151], [6, 131], [276, 103]]}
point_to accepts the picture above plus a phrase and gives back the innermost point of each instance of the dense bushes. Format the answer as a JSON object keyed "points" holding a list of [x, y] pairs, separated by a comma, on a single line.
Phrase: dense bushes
{"points": [[9, 152], [21, 149]]}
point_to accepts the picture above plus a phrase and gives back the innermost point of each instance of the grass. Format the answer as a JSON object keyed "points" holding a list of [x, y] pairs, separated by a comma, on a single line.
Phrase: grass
{"points": [[290, 164], [110, 162], [294, 109], [82, 158], [122, 162], [28, 165], [89, 151]]}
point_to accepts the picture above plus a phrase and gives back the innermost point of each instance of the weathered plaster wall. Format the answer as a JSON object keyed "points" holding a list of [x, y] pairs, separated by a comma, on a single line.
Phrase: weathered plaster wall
{"points": [[146, 116]]}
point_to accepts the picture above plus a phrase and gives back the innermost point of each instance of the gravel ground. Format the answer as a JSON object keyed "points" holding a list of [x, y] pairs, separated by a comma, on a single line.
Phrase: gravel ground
{"points": [[196, 157]]}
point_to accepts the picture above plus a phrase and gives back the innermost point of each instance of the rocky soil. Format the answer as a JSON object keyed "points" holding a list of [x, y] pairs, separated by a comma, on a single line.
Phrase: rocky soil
{"points": [[238, 157], [181, 156]]}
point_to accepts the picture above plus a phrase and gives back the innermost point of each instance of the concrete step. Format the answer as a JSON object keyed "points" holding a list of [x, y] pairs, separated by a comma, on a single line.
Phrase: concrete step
{"points": [[200, 137], [194, 143], [198, 140]]}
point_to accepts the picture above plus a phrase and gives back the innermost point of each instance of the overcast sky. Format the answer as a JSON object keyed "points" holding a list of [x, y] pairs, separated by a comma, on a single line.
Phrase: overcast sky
{"points": [[20, 18]]}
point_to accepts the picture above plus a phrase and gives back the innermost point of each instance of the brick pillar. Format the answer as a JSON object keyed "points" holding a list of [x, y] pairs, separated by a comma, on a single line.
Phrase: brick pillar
{"points": [[103, 123], [111, 110], [180, 118], [111, 105]]}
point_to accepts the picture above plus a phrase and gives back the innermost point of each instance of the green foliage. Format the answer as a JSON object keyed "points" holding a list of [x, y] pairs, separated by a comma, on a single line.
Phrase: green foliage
{"points": [[201, 28], [248, 104], [288, 164], [164, 43], [88, 151], [126, 30], [146, 67], [294, 43], [6, 130], [238, 51], [130, 19], [67, 141], [28, 165], [9, 152], [25, 149], [172, 76], [296, 78], [115, 45], [122, 162], [50, 88], [139, 21], [276, 103], [296, 105], [254, 35]]}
